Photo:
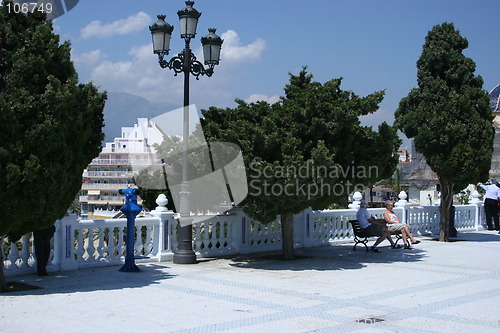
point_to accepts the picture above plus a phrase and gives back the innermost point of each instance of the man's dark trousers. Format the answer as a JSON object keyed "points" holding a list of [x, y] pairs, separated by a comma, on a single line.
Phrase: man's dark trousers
{"points": [[491, 210]]}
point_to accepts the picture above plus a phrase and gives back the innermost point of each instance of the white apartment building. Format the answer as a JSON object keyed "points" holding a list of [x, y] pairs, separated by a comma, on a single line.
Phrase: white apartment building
{"points": [[112, 169]]}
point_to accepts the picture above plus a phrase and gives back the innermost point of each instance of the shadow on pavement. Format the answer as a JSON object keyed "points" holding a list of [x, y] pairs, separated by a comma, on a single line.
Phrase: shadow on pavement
{"points": [[91, 279], [335, 257], [482, 236]]}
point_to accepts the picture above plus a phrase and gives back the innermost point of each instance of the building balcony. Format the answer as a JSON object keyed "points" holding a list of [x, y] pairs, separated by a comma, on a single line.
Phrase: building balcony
{"points": [[109, 174], [114, 200], [117, 162], [106, 187]]}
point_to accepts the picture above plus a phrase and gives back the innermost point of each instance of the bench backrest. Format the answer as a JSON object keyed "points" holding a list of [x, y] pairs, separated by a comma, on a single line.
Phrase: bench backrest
{"points": [[356, 228]]}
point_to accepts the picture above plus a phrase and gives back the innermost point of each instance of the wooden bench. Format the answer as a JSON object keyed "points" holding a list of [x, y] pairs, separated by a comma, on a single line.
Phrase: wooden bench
{"points": [[361, 237]]}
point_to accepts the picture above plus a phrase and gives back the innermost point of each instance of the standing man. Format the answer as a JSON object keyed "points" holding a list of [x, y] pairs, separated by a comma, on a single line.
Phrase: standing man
{"points": [[491, 203]]}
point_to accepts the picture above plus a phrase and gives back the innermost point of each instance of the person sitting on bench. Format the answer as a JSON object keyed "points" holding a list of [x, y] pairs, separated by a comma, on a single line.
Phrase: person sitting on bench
{"points": [[394, 224], [371, 227]]}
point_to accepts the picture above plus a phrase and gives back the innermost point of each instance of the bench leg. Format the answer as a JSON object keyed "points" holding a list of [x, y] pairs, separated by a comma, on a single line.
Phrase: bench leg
{"points": [[398, 238], [357, 241]]}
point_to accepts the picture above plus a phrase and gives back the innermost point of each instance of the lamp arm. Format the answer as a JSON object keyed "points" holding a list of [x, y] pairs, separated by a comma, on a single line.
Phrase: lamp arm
{"points": [[198, 69], [177, 65]]}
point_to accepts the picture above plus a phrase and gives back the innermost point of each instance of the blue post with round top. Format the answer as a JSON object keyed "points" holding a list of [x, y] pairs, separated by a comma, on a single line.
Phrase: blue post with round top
{"points": [[130, 209]]}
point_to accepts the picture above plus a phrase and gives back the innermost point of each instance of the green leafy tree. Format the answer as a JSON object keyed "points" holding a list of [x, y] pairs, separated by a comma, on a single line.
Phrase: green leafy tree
{"points": [[449, 116], [50, 125], [308, 150]]}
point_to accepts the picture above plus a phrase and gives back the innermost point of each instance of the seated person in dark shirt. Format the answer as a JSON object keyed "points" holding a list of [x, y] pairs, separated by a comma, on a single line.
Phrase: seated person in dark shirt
{"points": [[372, 227]]}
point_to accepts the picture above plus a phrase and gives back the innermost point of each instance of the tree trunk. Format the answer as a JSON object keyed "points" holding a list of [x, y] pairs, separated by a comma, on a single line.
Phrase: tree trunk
{"points": [[287, 236], [444, 209], [3, 284]]}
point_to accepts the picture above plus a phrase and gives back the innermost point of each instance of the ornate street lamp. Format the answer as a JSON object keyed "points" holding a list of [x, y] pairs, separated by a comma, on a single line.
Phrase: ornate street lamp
{"points": [[185, 62]]}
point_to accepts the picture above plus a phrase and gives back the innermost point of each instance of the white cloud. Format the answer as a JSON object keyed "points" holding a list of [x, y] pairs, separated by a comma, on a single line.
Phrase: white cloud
{"points": [[376, 118], [89, 59], [256, 97], [234, 51], [133, 23], [141, 75]]}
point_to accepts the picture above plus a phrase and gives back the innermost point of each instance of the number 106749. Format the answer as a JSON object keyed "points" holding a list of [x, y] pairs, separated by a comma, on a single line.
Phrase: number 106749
{"points": [[29, 7]]}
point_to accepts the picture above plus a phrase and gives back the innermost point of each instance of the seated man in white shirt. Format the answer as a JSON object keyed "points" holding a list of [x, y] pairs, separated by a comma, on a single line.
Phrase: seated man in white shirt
{"points": [[372, 227]]}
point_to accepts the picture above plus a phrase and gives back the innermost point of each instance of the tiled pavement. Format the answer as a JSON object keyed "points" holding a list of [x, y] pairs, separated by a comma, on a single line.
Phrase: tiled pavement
{"points": [[437, 287]]}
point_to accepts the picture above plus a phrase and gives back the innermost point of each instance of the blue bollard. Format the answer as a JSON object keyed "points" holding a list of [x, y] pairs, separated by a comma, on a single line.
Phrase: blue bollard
{"points": [[130, 209]]}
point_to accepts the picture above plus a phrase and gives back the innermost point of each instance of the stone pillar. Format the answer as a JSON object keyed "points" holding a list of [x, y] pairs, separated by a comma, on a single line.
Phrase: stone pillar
{"points": [[405, 205], [474, 200], [163, 232], [238, 234]]}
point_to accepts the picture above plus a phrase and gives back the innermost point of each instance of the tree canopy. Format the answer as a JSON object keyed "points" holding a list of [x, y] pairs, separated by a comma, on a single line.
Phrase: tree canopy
{"points": [[50, 125], [449, 116], [308, 150]]}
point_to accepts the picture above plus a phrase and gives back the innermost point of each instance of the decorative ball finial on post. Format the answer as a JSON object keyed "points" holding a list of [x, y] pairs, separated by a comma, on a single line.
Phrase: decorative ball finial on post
{"points": [[162, 202], [474, 197], [357, 196], [402, 199]]}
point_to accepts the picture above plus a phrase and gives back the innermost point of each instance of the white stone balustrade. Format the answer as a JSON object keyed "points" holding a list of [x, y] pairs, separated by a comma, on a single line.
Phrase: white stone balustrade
{"points": [[94, 243]]}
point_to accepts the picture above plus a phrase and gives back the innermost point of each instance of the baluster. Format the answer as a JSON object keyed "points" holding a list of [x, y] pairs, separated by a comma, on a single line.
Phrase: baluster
{"points": [[276, 231], [100, 245], [80, 250], [317, 227], [261, 232], [120, 248], [228, 234], [426, 220], [330, 227], [346, 226], [138, 241], [325, 232], [111, 246], [317, 222], [216, 234], [336, 228], [90, 245], [251, 232], [208, 228], [173, 234], [13, 256], [256, 233], [198, 238], [270, 232], [25, 253], [31, 250], [149, 239]]}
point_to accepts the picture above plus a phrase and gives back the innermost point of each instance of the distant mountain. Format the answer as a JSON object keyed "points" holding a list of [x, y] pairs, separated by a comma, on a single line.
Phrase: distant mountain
{"points": [[123, 109]]}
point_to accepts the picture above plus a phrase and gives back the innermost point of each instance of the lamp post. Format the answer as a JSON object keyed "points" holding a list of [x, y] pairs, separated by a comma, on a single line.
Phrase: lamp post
{"points": [[185, 62]]}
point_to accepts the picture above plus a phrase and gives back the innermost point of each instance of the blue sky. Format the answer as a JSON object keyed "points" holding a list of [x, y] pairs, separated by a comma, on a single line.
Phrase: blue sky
{"points": [[372, 44]]}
